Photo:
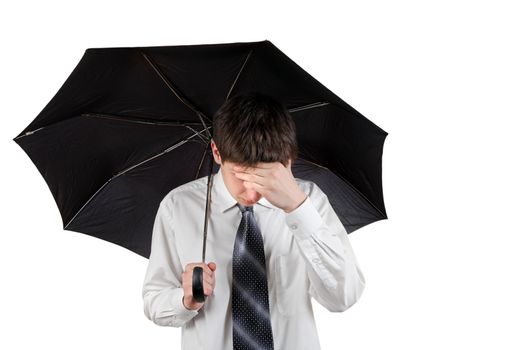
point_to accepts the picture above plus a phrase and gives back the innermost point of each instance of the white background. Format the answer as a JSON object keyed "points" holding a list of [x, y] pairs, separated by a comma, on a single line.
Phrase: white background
{"points": [[432, 74]]}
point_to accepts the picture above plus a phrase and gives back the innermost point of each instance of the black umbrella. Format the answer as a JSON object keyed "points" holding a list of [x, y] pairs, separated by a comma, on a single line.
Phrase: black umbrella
{"points": [[131, 123]]}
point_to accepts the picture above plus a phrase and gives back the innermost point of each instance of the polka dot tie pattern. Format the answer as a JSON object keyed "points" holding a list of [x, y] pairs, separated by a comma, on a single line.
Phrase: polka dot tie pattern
{"points": [[250, 299]]}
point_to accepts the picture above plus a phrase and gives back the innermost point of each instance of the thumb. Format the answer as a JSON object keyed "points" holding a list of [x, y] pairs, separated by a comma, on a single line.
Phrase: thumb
{"points": [[212, 266], [289, 166]]}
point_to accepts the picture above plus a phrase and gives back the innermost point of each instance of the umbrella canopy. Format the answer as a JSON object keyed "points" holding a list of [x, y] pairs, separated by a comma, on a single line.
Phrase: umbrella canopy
{"points": [[131, 123]]}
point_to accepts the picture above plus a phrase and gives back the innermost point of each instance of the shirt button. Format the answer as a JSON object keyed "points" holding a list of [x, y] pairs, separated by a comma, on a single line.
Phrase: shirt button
{"points": [[294, 226]]}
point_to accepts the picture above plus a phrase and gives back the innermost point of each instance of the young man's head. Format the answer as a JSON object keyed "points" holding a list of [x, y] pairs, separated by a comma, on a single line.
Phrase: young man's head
{"points": [[247, 130]]}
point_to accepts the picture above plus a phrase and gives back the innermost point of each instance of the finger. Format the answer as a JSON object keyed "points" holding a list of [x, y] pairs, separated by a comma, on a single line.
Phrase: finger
{"points": [[245, 176], [208, 289], [251, 178], [289, 166], [255, 186], [212, 266], [190, 266], [206, 269], [255, 178], [208, 283], [259, 169], [209, 280], [265, 165], [266, 170]]}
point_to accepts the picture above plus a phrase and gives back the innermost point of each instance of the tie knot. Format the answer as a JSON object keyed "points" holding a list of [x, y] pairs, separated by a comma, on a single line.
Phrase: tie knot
{"points": [[244, 209]]}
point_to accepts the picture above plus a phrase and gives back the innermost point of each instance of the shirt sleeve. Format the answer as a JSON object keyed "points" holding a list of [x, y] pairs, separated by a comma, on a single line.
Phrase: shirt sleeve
{"points": [[162, 288], [336, 280]]}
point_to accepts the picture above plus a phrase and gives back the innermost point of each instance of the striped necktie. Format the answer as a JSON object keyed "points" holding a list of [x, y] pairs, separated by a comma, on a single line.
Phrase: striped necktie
{"points": [[250, 299]]}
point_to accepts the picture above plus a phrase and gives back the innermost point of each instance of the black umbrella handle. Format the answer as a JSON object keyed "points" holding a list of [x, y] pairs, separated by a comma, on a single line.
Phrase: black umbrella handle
{"points": [[198, 285]]}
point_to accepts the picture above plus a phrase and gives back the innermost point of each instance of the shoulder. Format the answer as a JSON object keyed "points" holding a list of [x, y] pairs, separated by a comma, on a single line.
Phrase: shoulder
{"points": [[193, 191]]}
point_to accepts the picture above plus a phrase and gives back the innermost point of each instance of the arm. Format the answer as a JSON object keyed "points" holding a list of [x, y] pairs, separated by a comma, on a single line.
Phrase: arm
{"points": [[336, 280], [162, 288]]}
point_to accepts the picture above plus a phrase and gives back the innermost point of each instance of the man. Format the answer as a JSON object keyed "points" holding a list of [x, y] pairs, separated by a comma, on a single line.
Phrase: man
{"points": [[273, 242]]}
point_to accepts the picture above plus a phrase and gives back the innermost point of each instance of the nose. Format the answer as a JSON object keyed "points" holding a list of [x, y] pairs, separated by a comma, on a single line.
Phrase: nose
{"points": [[252, 195]]}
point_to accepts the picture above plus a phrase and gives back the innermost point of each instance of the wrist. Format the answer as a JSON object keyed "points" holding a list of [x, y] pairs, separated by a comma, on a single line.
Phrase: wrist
{"points": [[297, 202]]}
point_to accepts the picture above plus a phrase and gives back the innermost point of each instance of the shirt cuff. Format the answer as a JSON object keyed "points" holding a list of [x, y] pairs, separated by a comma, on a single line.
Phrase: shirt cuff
{"points": [[304, 220], [183, 313]]}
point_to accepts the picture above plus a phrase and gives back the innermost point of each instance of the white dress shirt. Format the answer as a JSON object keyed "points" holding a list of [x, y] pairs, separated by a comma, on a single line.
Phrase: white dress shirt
{"points": [[308, 254]]}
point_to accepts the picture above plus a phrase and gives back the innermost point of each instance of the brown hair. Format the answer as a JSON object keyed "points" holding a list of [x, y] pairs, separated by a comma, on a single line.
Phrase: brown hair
{"points": [[253, 128]]}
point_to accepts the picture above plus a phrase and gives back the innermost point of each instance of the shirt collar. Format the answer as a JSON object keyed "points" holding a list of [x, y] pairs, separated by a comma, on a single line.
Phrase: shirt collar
{"points": [[224, 199]]}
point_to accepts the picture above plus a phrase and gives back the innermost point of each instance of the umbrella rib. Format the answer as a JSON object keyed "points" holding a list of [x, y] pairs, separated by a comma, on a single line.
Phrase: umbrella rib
{"points": [[176, 145], [118, 118], [320, 104], [174, 123], [28, 133], [198, 134], [169, 149], [202, 161], [175, 92], [145, 121], [138, 120], [308, 106], [239, 73], [348, 183]]}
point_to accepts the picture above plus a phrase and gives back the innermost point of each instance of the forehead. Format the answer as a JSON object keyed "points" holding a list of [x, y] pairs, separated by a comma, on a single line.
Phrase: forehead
{"points": [[231, 165]]}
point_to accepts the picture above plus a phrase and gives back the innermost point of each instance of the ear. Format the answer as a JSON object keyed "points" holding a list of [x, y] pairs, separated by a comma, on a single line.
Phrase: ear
{"points": [[216, 153]]}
